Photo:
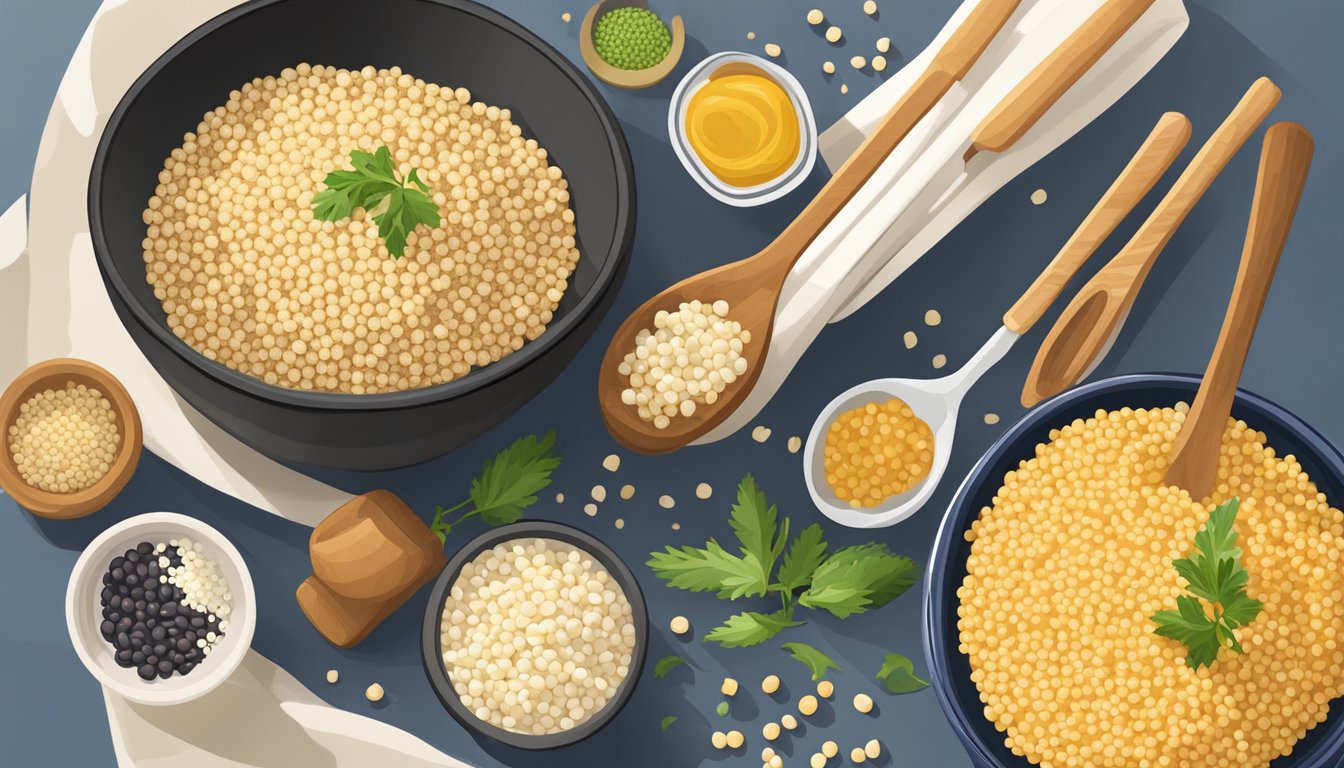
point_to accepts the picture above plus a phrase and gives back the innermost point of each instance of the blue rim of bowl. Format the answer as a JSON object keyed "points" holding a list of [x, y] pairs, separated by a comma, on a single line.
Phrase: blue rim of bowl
{"points": [[476, 379], [432, 651], [760, 194], [1323, 745]]}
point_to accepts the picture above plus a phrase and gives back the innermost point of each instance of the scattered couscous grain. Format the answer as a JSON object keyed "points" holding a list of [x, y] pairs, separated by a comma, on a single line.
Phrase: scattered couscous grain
{"points": [[807, 706], [250, 278], [333, 676], [856, 754], [876, 451], [829, 749], [666, 502], [863, 703], [1039, 197], [729, 687], [933, 318], [773, 50], [611, 463], [64, 440], [769, 684], [770, 731], [679, 625], [817, 760], [559, 498], [833, 34], [704, 491], [789, 722], [689, 358], [828, 67], [991, 418], [815, 16], [883, 44], [844, 88], [767, 753], [538, 616], [776, 761], [736, 739], [879, 63], [1091, 504], [374, 692], [825, 689], [760, 434], [620, 523], [795, 444], [719, 739], [599, 493], [676, 526], [910, 339], [939, 361], [590, 509], [858, 62], [870, 7], [565, 17], [627, 492], [751, 35], [873, 749]]}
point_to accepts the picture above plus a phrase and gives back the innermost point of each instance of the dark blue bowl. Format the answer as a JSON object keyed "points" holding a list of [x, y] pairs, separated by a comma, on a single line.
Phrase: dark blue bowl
{"points": [[1323, 746]]}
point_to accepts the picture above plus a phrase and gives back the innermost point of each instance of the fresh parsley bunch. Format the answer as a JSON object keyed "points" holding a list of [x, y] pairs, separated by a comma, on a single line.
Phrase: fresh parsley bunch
{"points": [[508, 483], [397, 203], [1215, 575], [845, 582]]}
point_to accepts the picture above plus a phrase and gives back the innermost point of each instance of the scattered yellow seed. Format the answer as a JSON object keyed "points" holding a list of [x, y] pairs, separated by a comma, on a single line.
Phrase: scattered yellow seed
{"points": [[776, 762], [844, 88], [679, 625], [1039, 197], [773, 50], [599, 494], [719, 739], [873, 749], [910, 339], [991, 418], [760, 434], [818, 760], [559, 498], [830, 748], [676, 526], [729, 687], [807, 706], [751, 35], [703, 491], [863, 703], [815, 16], [833, 34], [858, 62], [627, 492], [767, 753], [620, 522], [374, 692], [789, 722], [565, 17], [939, 361], [825, 688], [870, 7], [856, 754], [795, 444], [932, 318], [611, 463], [828, 67], [333, 676], [879, 63], [770, 731], [883, 44], [736, 739], [666, 502], [770, 684], [876, 451], [590, 509]]}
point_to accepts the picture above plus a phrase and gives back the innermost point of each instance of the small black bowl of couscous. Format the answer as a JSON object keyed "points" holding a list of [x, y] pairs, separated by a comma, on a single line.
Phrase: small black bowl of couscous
{"points": [[361, 251], [1057, 551]]}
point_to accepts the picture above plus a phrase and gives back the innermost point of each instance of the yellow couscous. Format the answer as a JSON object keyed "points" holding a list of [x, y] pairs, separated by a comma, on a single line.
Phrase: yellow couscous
{"points": [[64, 440], [876, 451], [1075, 555]]}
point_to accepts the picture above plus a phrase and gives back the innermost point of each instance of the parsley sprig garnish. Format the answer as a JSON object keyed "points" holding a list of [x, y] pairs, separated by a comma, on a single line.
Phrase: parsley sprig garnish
{"points": [[507, 484], [1207, 618], [845, 582], [398, 203]]}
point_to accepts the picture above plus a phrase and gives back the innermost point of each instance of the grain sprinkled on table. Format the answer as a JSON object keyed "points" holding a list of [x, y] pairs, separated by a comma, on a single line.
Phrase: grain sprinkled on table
{"points": [[807, 706], [858, 62], [736, 739], [611, 463], [770, 731], [789, 722], [870, 7], [1039, 197], [815, 16], [704, 491], [773, 50], [833, 34], [565, 17], [863, 703], [825, 689], [333, 676], [795, 444], [559, 498], [666, 502], [933, 318], [751, 35], [770, 684], [910, 339], [829, 749], [719, 739], [844, 88], [599, 493], [828, 67], [679, 625], [991, 418], [590, 509], [620, 522], [627, 491], [760, 434], [374, 692], [883, 44], [873, 749], [817, 760], [939, 361], [856, 754], [729, 687], [879, 63]]}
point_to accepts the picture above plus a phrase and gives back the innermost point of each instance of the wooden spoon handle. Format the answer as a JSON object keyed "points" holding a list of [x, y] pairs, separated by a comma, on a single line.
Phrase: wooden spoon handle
{"points": [[950, 64], [1284, 161], [1153, 158], [1034, 96]]}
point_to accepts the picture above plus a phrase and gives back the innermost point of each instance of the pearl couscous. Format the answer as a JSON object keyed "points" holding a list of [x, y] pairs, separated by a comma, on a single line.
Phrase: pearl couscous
{"points": [[876, 451], [688, 359], [536, 635], [248, 277], [1076, 554], [64, 440]]}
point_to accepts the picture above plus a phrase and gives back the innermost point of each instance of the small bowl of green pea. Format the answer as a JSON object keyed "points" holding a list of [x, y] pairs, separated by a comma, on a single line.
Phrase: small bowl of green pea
{"points": [[629, 46]]}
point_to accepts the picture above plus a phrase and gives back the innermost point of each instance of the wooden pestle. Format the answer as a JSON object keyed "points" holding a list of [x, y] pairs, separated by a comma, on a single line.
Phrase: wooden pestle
{"points": [[369, 556]]}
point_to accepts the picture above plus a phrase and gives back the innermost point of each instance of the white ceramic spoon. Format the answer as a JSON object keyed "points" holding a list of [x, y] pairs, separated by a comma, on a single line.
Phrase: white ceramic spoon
{"points": [[936, 401]]}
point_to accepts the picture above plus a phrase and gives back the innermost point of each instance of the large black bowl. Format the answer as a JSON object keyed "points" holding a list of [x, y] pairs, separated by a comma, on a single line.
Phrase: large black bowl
{"points": [[431, 645], [1323, 746], [451, 42]]}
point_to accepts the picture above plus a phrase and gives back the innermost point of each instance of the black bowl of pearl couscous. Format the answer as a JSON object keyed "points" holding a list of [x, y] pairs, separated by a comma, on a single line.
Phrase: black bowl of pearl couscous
{"points": [[535, 635], [361, 251]]}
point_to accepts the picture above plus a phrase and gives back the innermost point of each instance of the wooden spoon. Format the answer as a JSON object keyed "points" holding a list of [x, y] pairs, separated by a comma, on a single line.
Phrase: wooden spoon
{"points": [[1089, 323], [752, 286], [1284, 161]]}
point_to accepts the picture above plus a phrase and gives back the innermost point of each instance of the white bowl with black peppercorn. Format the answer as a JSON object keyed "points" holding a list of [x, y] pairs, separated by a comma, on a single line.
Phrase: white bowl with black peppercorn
{"points": [[160, 608]]}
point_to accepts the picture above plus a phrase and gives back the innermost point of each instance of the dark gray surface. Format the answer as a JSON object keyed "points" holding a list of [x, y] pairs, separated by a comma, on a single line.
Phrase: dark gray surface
{"points": [[52, 713]]}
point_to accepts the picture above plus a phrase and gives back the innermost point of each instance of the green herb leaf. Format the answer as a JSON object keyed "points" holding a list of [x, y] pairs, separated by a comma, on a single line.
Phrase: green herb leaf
{"points": [[667, 723], [753, 520], [711, 569], [858, 578], [1214, 573], [666, 665], [750, 628], [804, 555], [898, 675], [815, 660], [374, 186], [509, 482], [722, 709]]}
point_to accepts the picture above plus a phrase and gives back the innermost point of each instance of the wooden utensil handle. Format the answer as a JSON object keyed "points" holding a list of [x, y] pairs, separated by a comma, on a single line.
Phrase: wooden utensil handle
{"points": [[1284, 161], [1153, 158], [1034, 96], [948, 66]]}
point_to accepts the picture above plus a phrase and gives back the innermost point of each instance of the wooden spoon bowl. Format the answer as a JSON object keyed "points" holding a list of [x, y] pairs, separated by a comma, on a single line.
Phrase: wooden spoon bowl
{"points": [[55, 374], [628, 78]]}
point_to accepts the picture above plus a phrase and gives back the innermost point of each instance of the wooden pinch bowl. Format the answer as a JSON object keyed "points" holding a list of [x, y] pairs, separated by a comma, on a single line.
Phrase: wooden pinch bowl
{"points": [[54, 374], [628, 78]]}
